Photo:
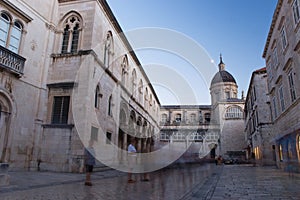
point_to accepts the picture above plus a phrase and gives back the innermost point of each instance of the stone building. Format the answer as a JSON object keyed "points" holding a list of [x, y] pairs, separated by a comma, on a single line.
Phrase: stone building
{"points": [[258, 121], [216, 129], [281, 54], [189, 124], [227, 113], [69, 75]]}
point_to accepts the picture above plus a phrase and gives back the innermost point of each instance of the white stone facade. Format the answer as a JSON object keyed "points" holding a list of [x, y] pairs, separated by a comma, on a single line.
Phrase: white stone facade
{"points": [[281, 53], [80, 81]]}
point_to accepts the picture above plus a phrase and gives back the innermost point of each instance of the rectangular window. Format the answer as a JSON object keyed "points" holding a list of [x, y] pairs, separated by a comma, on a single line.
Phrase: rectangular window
{"points": [[109, 110], [296, 11], [274, 107], [108, 138], [281, 98], [164, 136], [193, 118], [292, 86], [178, 118], [163, 118], [94, 134], [60, 110], [283, 37]]}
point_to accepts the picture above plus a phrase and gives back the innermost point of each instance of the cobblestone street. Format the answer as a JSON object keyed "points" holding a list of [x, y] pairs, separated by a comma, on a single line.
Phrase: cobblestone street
{"points": [[206, 181]]}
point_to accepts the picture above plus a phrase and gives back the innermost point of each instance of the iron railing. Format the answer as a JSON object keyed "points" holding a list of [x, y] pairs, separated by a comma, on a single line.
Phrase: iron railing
{"points": [[11, 61]]}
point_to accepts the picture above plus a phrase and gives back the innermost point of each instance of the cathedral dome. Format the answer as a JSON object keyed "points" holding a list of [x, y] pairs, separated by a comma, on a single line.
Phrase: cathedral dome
{"points": [[222, 75]]}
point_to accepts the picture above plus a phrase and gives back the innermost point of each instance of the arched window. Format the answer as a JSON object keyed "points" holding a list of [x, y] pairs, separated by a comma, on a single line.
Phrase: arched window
{"points": [[141, 91], [4, 29], [15, 37], [10, 33], [234, 112], [97, 97], [110, 106], [146, 99], [124, 70], [108, 47], [72, 26], [133, 83], [150, 100]]}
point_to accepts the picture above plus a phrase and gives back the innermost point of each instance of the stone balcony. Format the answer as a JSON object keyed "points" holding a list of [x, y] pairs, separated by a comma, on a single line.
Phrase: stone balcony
{"points": [[11, 61]]}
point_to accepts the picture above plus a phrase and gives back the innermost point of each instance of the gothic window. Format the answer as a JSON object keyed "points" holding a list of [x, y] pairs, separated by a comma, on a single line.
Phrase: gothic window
{"points": [[141, 91], [108, 47], [146, 100], [124, 69], [60, 110], [234, 112], [133, 83], [296, 11], [72, 26], [110, 106], [10, 33], [292, 86], [150, 100]]}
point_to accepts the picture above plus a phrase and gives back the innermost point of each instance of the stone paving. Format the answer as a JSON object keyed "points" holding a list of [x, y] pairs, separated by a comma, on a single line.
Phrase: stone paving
{"points": [[186, 182]]}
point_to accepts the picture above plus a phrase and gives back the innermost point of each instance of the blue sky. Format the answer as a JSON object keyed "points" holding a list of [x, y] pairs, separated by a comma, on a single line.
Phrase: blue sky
{"points": [[236, 28]]}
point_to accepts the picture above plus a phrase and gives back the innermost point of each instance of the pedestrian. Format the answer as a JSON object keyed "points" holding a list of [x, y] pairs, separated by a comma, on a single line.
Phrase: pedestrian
{"points": [[89, 161], [216, 160], [131, 159]]}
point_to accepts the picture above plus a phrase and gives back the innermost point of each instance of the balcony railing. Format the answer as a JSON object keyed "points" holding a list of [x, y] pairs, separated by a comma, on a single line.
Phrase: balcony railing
{"points": [[11, 61]]}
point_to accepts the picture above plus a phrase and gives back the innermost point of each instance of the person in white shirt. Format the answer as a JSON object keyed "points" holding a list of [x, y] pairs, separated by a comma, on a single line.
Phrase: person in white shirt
{"points": [[131, 159]]}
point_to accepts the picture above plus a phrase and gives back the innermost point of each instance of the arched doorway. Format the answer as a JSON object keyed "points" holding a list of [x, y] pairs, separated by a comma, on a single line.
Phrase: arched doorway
{"points": [[5, 119]]}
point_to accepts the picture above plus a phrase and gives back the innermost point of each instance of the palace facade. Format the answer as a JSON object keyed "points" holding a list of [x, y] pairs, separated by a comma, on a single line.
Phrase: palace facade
{"points": [[69, 75]]}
